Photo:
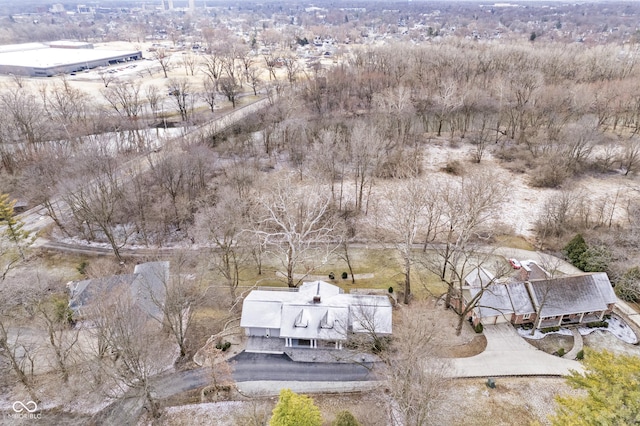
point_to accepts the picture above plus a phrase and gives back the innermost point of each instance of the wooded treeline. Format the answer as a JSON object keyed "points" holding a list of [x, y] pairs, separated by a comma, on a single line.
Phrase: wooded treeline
{"points": [[552, 112]]}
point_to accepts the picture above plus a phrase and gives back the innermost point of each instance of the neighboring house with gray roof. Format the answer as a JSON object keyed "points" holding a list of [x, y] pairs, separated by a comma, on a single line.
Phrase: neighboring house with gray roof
{"points": [[543, 302], [146, 288], [316, 315]]}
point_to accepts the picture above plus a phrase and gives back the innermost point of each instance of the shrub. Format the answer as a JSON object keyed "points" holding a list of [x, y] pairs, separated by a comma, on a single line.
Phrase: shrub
{"points": [[580, 355], [345, 418], [223, 346], [595, 259], [454, 167], [549, 175], [549, 329], [597, 324], [628, 286], [332, 276], [390, 290], [560, 352], [478, 328], [345, 275], [82, 267]]}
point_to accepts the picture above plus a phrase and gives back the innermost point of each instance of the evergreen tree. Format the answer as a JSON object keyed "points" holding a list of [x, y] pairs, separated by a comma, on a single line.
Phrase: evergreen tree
{"points": [[595, 259], [295, 410], [575, 249], [612, 385], [14, 231]]}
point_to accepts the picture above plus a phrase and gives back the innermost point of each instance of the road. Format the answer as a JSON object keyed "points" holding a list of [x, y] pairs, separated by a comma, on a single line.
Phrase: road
{"points": [[248, 367]]}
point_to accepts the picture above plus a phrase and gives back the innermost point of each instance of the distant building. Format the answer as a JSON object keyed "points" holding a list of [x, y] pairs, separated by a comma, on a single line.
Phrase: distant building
{"points": [[59, 57]]}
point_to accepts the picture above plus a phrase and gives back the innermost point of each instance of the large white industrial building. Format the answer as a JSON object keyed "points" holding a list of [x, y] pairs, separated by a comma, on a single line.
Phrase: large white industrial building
{"points": [[61, 57]]}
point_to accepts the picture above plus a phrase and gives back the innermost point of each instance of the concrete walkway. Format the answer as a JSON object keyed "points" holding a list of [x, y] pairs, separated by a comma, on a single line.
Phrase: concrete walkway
{"points": [[507, 354], [629, 313], [578, 344]]}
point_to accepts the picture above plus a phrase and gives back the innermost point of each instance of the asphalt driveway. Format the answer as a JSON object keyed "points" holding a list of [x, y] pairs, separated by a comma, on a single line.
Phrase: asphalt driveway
{"points": [[249, 367]]}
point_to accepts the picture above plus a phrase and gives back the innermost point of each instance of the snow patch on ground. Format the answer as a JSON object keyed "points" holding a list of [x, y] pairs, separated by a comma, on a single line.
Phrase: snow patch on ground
{"points": [[537, 334], [211, 413], [617, 327]]}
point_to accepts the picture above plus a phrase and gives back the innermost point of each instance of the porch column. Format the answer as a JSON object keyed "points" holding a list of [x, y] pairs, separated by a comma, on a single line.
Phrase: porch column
{"points": [[560, 321], [581, 317], [601, 315]]}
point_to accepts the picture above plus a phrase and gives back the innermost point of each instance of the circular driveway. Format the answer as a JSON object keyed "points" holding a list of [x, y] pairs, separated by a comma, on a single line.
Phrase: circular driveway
{"points": [[508, 354]]}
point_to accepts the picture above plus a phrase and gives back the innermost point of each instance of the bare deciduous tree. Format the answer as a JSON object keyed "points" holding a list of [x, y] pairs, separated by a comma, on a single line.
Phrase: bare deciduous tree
{"points": [[419, 383], [125, 98], [179, 89], [299, 228], [222, 225], [402, 216], [163, 58], [56, 317], [468, 207], [97, 207], [135, 339]]}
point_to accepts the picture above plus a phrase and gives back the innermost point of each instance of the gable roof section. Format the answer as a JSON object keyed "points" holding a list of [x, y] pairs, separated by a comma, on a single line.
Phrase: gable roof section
{"points": [[553, 297], [601, 280], [569, 295], [86, 292], [313, 316], [479, 277], [494, 301], [146, 288], [520, 299], [149, 289], [261, 313]]}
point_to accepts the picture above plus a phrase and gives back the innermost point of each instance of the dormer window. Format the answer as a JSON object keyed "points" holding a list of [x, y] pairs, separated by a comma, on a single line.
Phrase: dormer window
{"points": [[328, 320], [302, 320]]}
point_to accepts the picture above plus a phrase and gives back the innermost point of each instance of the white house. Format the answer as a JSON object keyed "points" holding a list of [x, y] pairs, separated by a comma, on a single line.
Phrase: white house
{"points": [[316, 315]]}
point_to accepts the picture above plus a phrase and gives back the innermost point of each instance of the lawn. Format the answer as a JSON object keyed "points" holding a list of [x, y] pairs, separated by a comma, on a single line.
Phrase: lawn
{"points": [[374, 268]]}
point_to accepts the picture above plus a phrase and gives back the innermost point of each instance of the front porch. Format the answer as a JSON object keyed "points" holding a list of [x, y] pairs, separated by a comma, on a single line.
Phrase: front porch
{"points": [[572, 319], [277, 345], [322, 353]]}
